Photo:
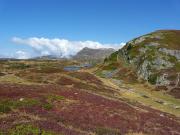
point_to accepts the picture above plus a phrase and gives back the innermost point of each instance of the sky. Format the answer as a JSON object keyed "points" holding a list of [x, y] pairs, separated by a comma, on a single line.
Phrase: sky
{"points": [[31, 28]]}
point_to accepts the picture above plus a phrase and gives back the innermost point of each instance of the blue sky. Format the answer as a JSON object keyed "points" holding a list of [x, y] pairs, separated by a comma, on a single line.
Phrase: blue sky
{"points": [[108, 22]]}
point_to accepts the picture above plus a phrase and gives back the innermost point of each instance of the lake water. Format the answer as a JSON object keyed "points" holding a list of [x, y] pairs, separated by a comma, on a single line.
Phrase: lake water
{"points": [[71, 68], [76, 67]]}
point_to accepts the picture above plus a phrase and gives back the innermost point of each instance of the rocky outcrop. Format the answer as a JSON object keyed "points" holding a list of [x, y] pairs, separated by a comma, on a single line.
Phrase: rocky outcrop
{"points": [[175, 53], [154, 57]]}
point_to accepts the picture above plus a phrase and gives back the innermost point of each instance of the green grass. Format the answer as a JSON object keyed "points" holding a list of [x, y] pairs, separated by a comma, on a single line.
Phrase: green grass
{"points": [[138, 95], [12, 79], [106, 131], [172, 39], [47, 106], [50, 99], [177, 66], [53, 97], [8, 104], [18, 66], [4, 108], [113, 57], [110, 66], [28, 129], [2, 133], [172, 59]]}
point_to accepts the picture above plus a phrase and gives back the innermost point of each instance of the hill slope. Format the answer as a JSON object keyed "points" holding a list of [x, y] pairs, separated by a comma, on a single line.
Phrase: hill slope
{"points": [[154, 57]]}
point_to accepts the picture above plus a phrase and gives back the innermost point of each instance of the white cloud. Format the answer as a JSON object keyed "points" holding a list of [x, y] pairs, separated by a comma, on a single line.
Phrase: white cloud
{"points": [[61, 47], [21, 55]]}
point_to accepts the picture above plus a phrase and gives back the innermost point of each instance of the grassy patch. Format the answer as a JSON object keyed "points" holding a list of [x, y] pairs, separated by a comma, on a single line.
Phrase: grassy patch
{"points": [[52, 98], [136, 134], [177, 66], [8, 105], [172, 59], [18, 66], [2, 133], [4, 108], [12, 79], [138, 95], [28, 130], [47, 106], [107, 131], [113, 57], [110, 66]]}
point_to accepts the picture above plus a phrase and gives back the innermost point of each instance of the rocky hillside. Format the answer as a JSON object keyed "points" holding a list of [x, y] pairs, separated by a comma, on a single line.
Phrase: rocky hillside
{"points": [[88, 54], [154, 57]]}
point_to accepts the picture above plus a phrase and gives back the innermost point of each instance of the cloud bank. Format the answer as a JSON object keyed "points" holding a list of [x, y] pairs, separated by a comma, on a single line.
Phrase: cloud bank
{"points": [[59, 47], [21, 55]]}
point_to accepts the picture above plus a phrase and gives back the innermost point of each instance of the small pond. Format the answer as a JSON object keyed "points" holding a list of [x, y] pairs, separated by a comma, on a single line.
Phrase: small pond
{"points": [[77, 67], [71, 68]]}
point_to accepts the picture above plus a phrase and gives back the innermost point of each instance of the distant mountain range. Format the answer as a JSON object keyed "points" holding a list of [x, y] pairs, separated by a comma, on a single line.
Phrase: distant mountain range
{"points": [[2, 57], [88, 54], [50, 57]]}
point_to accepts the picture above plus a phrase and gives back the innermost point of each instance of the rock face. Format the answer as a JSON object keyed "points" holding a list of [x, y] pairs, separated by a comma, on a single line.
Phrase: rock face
{"points": [[88, 54], [154, 57], [175, 53]]}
